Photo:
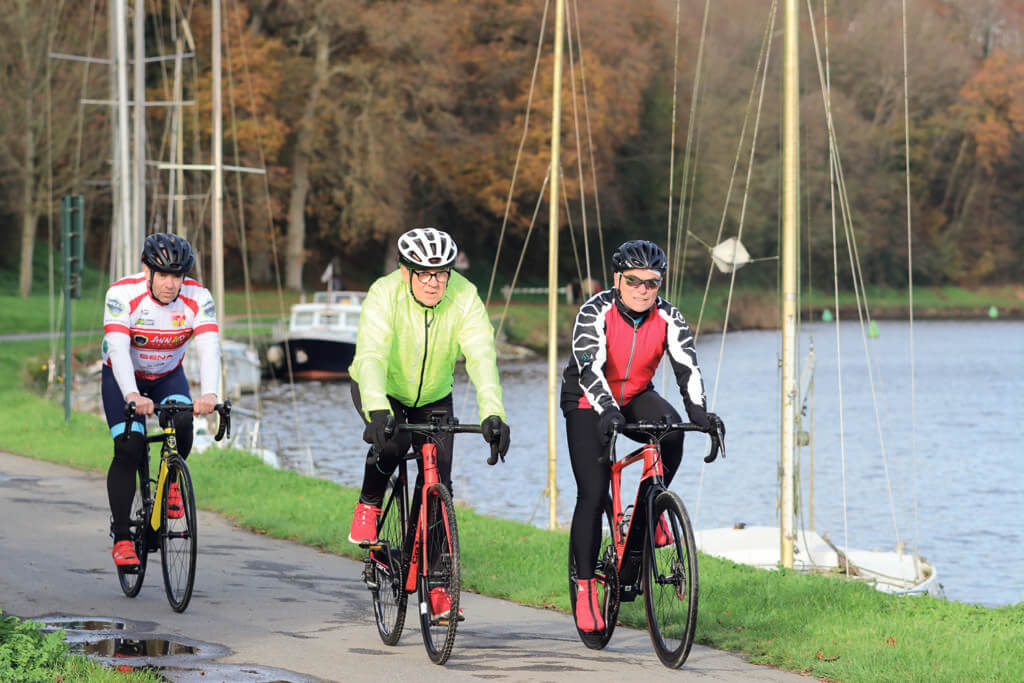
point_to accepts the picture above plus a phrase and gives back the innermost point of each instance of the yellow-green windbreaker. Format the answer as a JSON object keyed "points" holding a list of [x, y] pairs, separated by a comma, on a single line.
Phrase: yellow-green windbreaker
{"points": [[408, 351]]}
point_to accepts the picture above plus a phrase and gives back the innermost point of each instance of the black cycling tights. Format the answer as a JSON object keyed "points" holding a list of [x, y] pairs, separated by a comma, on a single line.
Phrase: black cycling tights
{"points": [[593, 478], [375, 477]]}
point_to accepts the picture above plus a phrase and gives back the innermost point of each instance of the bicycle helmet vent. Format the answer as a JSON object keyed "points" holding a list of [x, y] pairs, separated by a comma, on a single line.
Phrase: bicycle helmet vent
{"points": [[426, 248], [168, 254], [639, 254]]}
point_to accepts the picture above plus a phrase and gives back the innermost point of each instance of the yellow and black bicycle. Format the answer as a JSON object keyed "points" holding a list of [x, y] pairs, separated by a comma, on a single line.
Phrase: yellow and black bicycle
{"points": [[159, 523]]}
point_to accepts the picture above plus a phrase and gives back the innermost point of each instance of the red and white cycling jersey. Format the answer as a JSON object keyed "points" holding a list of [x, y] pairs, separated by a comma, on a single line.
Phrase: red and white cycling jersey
{"points": [[153, 336]]}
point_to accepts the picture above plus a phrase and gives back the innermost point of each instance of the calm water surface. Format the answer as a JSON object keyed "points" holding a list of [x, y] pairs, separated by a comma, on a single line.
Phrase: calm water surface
{"points": [[949, 488]]}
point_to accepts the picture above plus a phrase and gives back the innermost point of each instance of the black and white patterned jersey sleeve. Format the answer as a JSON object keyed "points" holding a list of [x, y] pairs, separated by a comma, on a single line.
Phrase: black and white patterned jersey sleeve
{"points": [[682, 354], [590, 350]]}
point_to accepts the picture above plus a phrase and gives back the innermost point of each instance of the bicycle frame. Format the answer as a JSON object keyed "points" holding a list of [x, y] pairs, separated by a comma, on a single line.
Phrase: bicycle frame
{"points": [[629, 531], [418, 554]]}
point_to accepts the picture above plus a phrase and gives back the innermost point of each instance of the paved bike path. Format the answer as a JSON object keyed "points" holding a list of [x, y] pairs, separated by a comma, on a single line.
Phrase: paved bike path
{"points": [[266, 609]]}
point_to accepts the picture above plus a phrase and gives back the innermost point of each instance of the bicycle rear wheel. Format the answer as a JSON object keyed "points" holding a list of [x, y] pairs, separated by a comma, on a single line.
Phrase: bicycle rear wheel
{"points": [[670, 582], [385, 569], [607, 575], [131, 580], [442, 574], [178, 538]]}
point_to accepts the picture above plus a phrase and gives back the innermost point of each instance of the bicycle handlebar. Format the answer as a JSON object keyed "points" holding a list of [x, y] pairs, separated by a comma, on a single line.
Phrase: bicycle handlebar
{"points": [[439, 423], [657, 429], [173, 407]]}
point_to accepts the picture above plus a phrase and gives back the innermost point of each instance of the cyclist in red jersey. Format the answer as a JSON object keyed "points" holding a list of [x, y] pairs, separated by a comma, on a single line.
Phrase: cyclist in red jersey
{"points": [[618, 341], [148, 320]]}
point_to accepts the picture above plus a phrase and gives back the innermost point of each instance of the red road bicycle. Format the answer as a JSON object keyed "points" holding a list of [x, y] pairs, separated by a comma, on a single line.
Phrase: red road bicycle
{"points": [[629, 562], [417, 549]]}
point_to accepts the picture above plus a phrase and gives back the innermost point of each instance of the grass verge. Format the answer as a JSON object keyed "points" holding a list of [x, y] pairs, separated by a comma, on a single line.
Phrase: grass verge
{"points": [[825, 627]]}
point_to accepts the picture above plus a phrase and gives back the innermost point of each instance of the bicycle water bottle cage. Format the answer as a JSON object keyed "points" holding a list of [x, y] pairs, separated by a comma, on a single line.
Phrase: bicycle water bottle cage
{"points": [[627, 514]]}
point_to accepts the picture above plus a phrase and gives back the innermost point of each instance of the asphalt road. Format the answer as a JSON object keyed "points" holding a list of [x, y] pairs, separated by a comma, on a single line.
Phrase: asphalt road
{"points": [[271, 610]]}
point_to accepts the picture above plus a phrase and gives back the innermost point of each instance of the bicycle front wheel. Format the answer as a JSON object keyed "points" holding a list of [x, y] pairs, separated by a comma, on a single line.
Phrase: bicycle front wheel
{"points": [[131, 580], [385, 568], [440, 581], [178, 535], [670, 582]]}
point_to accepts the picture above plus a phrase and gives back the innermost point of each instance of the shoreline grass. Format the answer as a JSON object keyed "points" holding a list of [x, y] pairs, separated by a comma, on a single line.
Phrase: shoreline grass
{"points": [[826, 627]]}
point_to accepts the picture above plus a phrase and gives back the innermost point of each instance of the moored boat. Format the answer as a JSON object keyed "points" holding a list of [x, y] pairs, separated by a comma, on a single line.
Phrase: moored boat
{"points": [[320, 340]]}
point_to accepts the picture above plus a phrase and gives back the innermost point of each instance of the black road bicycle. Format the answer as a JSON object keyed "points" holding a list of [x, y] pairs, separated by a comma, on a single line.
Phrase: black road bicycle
{"points": [[152, 528]]}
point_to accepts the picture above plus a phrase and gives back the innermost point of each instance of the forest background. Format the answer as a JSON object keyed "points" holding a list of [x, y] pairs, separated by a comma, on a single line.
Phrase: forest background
{"points": [[373, 116]]}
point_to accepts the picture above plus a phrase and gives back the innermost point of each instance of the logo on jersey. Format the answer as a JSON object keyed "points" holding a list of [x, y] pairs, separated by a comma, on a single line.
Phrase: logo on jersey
{"points": [[161, 340], [178, 320], [115, 307], [209, 309], [586, 357]]}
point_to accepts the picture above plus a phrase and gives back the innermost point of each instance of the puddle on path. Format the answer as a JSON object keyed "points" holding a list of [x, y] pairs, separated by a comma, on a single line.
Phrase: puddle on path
{"points": [[126, 647]]}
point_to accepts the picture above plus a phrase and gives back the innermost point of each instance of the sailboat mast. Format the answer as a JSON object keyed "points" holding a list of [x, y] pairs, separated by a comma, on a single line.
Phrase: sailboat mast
{"points": [[790, 221], [122, 165], [138, 226], [217, 238], [556, 136]]}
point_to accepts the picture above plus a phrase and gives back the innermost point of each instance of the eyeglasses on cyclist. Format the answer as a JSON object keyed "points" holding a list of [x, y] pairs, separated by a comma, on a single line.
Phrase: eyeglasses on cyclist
{"points": [[425, 276], [636, 282]]}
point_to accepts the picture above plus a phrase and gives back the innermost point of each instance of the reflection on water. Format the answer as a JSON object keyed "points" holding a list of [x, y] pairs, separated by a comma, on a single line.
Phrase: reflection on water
{"points": [[962, 513]]}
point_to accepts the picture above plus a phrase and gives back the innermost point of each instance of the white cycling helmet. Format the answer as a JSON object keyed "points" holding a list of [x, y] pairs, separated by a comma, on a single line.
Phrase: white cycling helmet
{"points": [[427, 248]]}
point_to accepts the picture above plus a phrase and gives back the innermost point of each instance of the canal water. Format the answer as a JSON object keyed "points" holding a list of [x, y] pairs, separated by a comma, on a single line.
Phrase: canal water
{"points": [[940, 474]]}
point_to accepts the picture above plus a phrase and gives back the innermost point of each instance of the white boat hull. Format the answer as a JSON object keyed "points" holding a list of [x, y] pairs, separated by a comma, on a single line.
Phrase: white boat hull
{"points": [[759, 546]]}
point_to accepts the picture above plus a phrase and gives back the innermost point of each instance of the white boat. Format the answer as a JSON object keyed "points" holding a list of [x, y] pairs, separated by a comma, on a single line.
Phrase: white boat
{"points": [[241, 366], [320, 340], [892, 572]]}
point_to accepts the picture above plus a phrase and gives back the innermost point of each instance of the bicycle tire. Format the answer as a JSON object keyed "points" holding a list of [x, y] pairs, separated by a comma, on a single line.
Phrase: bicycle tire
{"points": [[178, 543], [442, 550], [671, 583], [386, 569], [607, 575], [131, 581]]}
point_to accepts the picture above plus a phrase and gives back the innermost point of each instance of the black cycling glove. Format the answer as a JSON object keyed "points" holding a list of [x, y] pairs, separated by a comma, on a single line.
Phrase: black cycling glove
{"points": [[375, 432], [607, 422], [699, 416], [716, 424], [495, 431]]}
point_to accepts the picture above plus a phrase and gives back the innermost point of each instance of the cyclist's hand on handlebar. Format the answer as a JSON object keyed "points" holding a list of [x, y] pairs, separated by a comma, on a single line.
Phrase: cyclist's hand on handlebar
{"points": [[205, 404], [607, 422], [375, 432], [699, 417], [717, 426], [143, 405], [496, 433]]}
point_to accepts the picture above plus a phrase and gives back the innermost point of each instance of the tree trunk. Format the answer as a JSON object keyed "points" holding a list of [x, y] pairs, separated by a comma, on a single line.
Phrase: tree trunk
{"points": [[295, 251], [28, 213]]}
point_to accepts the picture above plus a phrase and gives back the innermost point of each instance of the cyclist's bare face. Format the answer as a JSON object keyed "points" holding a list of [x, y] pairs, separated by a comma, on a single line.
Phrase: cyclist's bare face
{"points": [[165, 285], [638, 288], [428, 285]]}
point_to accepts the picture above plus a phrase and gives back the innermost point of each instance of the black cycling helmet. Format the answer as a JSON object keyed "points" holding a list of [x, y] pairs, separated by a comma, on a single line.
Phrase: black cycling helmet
{"points": [[166, 253], [639, 254]]}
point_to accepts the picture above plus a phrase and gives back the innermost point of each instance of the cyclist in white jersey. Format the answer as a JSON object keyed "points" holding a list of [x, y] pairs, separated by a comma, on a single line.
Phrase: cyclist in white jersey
{"points": [[148, 320]]}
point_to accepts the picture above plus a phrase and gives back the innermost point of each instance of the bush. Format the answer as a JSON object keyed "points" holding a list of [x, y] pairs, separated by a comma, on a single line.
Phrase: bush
{"points": [[28, 654]]}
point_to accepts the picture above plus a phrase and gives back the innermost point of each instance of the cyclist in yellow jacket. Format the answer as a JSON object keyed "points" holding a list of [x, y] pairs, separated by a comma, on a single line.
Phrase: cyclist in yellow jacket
{"points": [[415, 323]]}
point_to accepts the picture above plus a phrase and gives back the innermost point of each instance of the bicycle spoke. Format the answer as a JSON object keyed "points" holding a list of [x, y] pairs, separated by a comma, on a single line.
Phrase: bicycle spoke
{"points": [[670, 583], [440, 584], [178, 540], [384, 571]]}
